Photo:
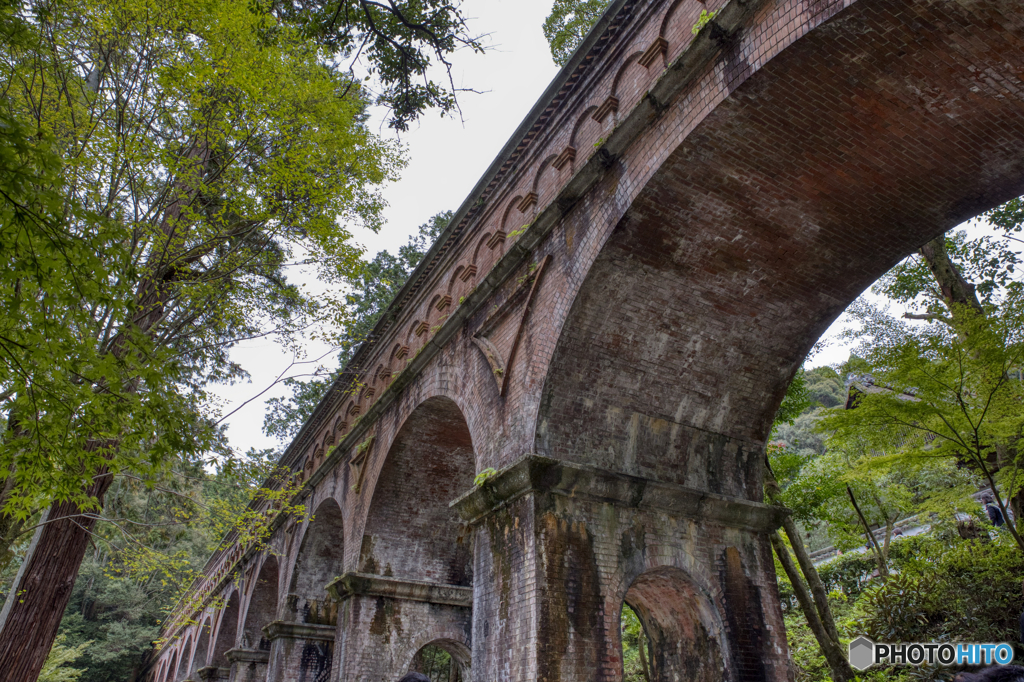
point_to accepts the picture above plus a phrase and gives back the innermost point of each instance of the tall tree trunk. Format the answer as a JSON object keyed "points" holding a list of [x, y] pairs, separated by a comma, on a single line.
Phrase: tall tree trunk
{"points": [[833, 651], [883, 567], [956, 291], [43, 587], [35, 606], [810, 573], [807, 585]]}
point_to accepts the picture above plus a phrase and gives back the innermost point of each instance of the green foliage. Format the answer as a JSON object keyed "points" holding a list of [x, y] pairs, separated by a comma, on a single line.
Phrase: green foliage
{"points": [[569, 23], [142, 561], [484, 476], [942, 394], [825, 387], [988, 262], [796, 400], [437, 664], [56, 668], [896, 610], [373, 285], [634, 640], [180, 153], [703, 20], [1009, 217], [941, 588], [401, 44]]}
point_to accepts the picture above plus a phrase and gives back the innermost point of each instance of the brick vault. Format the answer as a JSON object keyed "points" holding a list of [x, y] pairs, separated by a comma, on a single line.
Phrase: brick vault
{"points": [[609, 323]]}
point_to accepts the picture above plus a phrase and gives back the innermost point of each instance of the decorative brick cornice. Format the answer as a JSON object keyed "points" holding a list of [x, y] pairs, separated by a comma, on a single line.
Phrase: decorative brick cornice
{"points": [[364, 584], [281, 629], [541, 475], [610, 105], [651, 54]]}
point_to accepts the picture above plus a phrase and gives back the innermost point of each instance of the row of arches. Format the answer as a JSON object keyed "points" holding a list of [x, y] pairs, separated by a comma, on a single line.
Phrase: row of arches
{"points": [[409, 533]]}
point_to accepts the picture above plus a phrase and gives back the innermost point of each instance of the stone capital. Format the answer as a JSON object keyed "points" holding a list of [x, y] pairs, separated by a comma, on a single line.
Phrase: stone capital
{"points": [[247, 655], [542, 475], [211, 673], [365, 584], [289, 630]]}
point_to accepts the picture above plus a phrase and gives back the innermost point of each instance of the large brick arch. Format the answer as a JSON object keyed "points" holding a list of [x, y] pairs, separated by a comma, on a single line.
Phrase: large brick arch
{"points": [[180, 672], [410, 531], [202, 646], [614, 337], [812, 178], [687, 632]]}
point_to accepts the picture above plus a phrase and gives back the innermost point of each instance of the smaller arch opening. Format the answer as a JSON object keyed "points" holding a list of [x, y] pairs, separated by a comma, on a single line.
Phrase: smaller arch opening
{"points": [[226, 633], [636, 647], [170, 669], [262, 606], [201, 647], [677, 627], [186, 655], [315, 664], [320, 558], [443, 660]]}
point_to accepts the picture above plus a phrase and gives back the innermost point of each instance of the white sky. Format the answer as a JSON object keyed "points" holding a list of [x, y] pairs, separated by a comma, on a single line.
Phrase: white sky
{"points": [[446, 159]]}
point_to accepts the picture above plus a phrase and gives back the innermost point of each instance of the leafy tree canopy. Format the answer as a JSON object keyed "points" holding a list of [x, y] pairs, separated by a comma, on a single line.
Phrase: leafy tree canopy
{"points": [[569, 23]]}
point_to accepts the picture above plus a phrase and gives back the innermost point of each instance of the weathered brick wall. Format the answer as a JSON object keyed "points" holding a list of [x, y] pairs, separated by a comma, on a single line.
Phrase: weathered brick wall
{"points": [[379, 637], [643, 270]]}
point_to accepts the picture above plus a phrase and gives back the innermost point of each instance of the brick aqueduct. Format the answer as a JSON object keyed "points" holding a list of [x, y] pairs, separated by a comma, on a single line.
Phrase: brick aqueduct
{"points": [[610, 322]]}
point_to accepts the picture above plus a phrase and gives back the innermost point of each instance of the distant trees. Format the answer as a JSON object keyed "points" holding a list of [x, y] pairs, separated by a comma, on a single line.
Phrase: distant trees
{"points": [[372, 287]]}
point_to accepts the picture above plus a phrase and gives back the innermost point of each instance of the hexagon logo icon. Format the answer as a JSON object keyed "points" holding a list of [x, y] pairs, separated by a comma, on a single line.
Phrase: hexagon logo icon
{"points": [[862, 653]]}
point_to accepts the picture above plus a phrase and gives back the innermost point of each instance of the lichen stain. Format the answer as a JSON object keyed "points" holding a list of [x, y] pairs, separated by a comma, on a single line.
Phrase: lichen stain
{"points": [[367, 563], [498, 526], [744, 616], [387, 618], [572, 612]]}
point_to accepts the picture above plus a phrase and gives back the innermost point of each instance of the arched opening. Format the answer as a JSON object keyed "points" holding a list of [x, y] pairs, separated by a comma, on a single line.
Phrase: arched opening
{"points": [[262, 606], [410, 530], [320, 559], [168, 675], [442, 660], [677, 636], [186, 656], [201, 646], [227, 633], [710, 288]]}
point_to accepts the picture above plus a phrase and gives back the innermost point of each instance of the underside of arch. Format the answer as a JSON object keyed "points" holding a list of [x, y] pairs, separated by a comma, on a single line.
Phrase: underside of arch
{"points": [[410, 531], [320, 559], [837, 158]]}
